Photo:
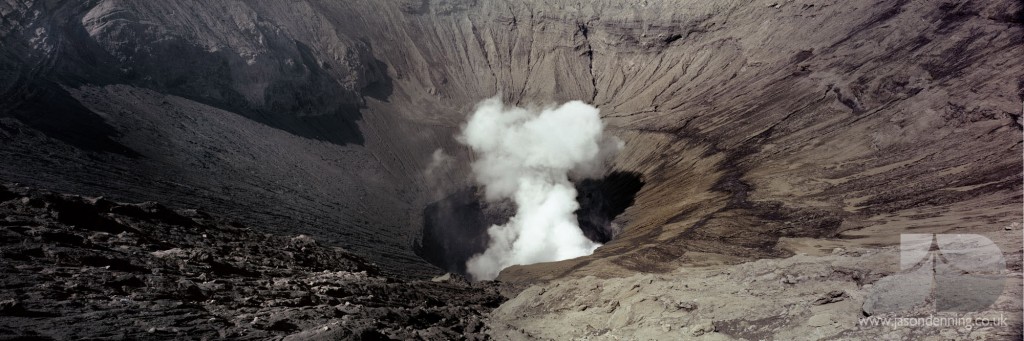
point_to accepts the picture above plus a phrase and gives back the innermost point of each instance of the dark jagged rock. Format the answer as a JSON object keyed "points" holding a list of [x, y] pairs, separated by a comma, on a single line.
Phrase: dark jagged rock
{"points": [[831, 297], [156, 273]]}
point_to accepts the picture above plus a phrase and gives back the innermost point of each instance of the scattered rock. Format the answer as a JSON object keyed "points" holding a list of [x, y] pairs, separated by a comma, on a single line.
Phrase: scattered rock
{"points": [[170, 275], [194, 214], [831, 297], [190, 290], [451, 278], [612, 307], [702, 327], [302, 241]]}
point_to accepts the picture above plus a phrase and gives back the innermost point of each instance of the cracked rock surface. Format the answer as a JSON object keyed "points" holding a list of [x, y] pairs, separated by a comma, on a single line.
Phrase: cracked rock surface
{"points": [[77, 267]]}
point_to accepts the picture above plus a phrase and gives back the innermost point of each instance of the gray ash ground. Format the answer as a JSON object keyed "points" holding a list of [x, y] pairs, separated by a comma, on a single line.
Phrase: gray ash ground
{"points": [[87, 268]]}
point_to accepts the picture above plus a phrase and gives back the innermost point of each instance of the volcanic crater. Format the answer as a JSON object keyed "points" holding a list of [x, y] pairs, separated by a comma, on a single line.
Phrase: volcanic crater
{"points": [[790, 142]]}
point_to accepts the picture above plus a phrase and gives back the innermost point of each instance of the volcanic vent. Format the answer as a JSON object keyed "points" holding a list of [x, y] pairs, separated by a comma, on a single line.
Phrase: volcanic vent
{"points": [[525, 160], [455, 228]]}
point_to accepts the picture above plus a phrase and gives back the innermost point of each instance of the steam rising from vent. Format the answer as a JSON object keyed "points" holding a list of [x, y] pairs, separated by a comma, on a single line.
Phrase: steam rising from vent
{"points": [[529, 156]]}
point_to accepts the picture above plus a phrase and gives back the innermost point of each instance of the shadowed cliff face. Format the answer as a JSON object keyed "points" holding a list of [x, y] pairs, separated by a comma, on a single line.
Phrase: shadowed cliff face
{"points": [[602, 200], [748, 124], [455, 228]]}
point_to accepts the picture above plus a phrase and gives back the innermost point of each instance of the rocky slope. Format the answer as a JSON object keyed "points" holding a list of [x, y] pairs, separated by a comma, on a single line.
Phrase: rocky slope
{"points": [[804, 297], [89, 268]]}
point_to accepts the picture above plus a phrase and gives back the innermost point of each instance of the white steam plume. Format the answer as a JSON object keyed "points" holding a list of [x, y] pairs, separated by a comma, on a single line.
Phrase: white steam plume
{"points": [[439, 162], [527, 156]]}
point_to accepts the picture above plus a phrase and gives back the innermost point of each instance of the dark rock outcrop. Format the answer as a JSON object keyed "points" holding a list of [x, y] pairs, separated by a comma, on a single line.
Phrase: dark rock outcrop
{"points": [[77, 267]]}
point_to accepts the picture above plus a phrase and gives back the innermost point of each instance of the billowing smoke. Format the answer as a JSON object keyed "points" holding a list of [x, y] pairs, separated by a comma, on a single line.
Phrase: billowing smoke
{"points": [[529, 156]]}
